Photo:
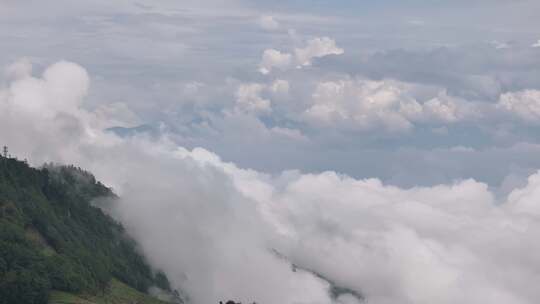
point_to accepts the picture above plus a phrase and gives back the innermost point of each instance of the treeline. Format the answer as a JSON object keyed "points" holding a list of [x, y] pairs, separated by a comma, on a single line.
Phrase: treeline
{"points": [[51, 237]]}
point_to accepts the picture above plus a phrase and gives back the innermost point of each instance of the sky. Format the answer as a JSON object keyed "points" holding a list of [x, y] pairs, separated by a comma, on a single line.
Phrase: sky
{"points": [[247, 79], [370, 144]]}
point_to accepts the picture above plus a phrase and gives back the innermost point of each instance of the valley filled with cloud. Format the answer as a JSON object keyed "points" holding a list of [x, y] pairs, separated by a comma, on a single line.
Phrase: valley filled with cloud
{"points": [[273, 152]]}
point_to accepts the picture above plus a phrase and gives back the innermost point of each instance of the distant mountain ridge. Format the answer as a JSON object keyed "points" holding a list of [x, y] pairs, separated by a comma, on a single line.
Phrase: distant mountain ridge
{"points": [[147, 129], [53, 239]]}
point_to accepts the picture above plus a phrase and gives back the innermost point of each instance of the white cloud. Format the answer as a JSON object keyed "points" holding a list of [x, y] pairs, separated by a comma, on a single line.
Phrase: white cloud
{"points": [[525, 200], [444, 244], [248, 99], [274, 59], [366, 104], [536, 45], [524, 104], [268, 23], [61, 89], [47, 109], [317, 48], [249, 96], [442, 108], [280, 86]]}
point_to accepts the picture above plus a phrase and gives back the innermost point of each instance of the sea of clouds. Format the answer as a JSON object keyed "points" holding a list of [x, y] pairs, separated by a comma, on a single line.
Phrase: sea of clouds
{"points": [[220, 231]]}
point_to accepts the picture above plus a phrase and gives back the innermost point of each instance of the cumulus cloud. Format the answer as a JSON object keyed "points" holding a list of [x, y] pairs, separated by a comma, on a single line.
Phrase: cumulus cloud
{"points": [[316, 48], [525, 200], [280, 86], [443, 108], [366, 104], [524, 104], [48, 110], [248, 99], [274, 59], [268, 23], [254, 98], [220, 231], [50, 102]]}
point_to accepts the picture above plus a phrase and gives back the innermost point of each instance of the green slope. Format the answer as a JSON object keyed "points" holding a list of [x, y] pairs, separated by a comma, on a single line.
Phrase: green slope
{"points": [[118, 293], [53, 238]]}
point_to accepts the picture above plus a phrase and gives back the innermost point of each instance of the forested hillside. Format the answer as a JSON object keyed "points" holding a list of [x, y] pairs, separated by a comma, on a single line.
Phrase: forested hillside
{"points": [[52, 238]]}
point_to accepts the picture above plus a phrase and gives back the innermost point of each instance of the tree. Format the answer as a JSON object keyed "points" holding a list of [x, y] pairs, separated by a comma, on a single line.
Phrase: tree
{"points": [[24, 287]]}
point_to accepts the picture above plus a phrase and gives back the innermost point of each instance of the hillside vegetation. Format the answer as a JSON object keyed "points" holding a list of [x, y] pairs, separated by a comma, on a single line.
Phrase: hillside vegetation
{"points": [[117, 293], [52, 238]]}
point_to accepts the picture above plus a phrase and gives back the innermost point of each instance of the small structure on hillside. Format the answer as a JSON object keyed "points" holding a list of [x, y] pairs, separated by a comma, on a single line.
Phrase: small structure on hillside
{"points": [[233, 302]]}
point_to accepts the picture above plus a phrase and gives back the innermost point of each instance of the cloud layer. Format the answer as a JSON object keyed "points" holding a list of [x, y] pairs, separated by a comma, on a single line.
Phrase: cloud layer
{"points": [[451, 66], [220, 231]]}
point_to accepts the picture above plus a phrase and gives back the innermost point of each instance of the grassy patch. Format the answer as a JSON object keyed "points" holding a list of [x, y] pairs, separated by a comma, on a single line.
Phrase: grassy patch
{"points": [[118, 293], [58, 297]]}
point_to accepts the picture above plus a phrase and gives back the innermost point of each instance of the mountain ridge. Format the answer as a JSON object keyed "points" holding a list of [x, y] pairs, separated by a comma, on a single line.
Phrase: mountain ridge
{"points": [[53, 238]]}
